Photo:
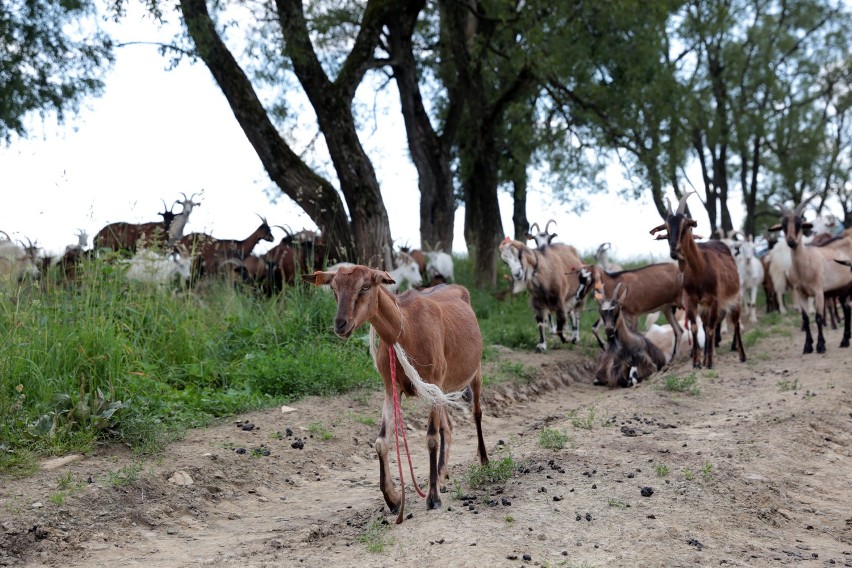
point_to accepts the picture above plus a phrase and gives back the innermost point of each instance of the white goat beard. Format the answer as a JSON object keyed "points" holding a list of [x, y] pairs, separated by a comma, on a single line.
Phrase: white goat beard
{"points": [[427, 391]]}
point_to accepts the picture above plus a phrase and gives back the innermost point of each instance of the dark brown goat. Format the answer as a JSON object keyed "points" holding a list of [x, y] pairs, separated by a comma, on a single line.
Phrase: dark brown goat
{"points": [[711, 282], [629, 357], [214, 252], [129, 236], [651, 288]]}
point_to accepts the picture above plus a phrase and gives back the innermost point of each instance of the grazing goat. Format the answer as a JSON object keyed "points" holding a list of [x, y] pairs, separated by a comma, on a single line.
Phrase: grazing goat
{"points": [[711, 283], [19, 263], [629, 357], [663, 336], [550, 275], [439, 263], [151, 267], [814, 273], [651, 288], [130, 236], [750, 269], [431, 341], [407, 271], [418, 256]]}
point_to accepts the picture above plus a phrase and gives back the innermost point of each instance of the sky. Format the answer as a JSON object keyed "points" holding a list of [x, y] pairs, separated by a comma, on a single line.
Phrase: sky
{"points": [[156, 133]]}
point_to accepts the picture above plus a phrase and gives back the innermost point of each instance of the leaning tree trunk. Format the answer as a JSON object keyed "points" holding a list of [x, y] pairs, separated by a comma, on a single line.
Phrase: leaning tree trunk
{"points": [[315, 195]]}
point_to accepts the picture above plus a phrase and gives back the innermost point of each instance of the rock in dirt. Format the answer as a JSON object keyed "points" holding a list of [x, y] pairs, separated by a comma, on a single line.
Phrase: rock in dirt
{"points": [[55, 463], [181, 478], [647, 491]]}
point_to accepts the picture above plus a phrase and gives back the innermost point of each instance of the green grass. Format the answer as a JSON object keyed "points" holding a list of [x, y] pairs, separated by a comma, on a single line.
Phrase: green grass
{"points": [[586, 422], [785, 385], [376, 537], [319, 430], [687, 384], [106, 360], [662, 470], [496, 471], [552, 439]]}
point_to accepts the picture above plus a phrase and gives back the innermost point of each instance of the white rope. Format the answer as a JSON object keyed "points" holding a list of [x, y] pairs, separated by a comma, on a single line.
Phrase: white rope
{"points": [[427, 391]]}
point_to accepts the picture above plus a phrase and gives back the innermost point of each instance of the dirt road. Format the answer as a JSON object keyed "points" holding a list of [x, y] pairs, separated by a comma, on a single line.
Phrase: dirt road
{"points": [[751, 468]]}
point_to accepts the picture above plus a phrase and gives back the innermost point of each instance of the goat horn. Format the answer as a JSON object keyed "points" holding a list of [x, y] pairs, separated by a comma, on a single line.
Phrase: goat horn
{"points": [[8, 238], [285, 229], [534, 226], [801, 206], [669, 206], [681, 206], [548, 225], [262, 219], [615, 292]]}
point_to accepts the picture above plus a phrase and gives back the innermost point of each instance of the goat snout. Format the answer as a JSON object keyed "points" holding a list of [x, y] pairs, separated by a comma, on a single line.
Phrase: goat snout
{"points": [[342, 327], [792, 243]]}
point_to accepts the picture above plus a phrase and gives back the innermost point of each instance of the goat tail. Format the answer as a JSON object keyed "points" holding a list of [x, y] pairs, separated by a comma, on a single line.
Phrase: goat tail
{"points": [[427, 391]]}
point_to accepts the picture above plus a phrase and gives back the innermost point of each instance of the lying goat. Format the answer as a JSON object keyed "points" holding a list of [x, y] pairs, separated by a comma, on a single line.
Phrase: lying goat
{"points": [[663, 336], [154, 268], [629, 356], [436, 345]]}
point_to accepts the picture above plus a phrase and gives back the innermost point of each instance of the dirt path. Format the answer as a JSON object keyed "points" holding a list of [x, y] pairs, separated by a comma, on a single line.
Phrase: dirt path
{"points": [[753, 470]]}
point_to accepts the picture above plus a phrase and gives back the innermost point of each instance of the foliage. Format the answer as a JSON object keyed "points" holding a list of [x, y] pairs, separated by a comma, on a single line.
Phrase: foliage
{"points": [[495, 471], [54, 55], [687, 384], [552, 439]]}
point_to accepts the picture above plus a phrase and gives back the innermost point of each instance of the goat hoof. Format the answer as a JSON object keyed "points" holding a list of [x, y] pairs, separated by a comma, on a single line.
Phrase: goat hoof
{"points": [[844, 343], [808, 349], [540, 348], [433, 503], [820, 348]]}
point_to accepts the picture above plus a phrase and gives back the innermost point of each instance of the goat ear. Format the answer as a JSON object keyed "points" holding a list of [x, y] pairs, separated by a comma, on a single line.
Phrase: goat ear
{"points": [[691, 223], [319, 278], [807, 226], [382, 277], [663, 237], [774, 228], [658, 229]]}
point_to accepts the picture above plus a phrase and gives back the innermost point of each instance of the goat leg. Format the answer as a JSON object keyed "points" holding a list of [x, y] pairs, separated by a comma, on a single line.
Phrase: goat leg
{"points": [[820, 321], [433, 500], [446, 433], [392, 497], [806, 327], [844, 303], [476, 387]]}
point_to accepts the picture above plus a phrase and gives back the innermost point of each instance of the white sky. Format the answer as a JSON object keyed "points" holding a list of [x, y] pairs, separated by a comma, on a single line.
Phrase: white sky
{"points": [[156, 133]]}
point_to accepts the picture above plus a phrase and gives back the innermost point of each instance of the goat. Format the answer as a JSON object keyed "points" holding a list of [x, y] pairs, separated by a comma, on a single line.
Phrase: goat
{"points": [[602, 259], [541, 238], [711, 283], [130, 236], [652, 287], [418, 255], [750, 269], [181, 219], [439, 263], [19, 263], [813, 273], [629, 356], [407, 271], [435, 338], [663, 336], [548, 275], [780, 264], [215, 251], [151, 267]]}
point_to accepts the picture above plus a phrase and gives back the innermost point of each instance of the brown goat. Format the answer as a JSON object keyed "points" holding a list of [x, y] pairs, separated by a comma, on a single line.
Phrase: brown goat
{"points": [[436, 338], [711, 282], [629, 357], [129, 236], [214, 252], [653, 287], [550, 275], [813, 274]]}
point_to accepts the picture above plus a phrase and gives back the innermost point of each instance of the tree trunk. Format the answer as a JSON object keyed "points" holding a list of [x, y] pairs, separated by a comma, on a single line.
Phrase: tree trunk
{"points": [[315, 195], [430, 151]]}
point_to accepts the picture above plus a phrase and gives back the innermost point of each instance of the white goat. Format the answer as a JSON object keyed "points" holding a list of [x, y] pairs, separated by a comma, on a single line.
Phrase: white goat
{"points": [[663, 336], [602, 259], [152, 267], [407, 271], [439, 263], [750, 269], [18, 263]]}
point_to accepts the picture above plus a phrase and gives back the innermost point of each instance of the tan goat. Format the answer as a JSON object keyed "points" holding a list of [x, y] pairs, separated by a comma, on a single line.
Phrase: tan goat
{"points": [[813, 273], [711, 283], [550, 275], [437, 344]]}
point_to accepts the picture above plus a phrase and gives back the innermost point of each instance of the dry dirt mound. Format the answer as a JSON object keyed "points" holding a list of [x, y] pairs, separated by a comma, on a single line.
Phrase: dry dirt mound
{"points": [[751, 470]]}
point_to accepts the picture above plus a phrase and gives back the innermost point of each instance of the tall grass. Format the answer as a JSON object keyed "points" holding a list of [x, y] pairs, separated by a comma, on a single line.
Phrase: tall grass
{"points": [[107, 358]]}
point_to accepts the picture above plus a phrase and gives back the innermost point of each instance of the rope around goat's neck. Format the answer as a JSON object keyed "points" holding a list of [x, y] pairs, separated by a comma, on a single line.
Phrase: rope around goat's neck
{"points": [[397, 424]]}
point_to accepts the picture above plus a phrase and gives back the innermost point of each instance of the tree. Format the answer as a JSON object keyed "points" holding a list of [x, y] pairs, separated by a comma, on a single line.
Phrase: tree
{"points": [[52, 56]]}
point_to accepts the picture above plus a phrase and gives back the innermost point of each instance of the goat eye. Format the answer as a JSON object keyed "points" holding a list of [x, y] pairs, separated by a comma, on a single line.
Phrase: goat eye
{"points": [[365, 287]]}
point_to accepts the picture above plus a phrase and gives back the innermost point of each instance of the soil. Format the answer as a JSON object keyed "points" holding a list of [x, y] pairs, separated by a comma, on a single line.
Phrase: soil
{"points": [[753, 470]]}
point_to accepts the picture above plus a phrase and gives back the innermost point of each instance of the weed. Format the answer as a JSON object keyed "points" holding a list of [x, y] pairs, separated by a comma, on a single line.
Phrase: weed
{"points": [[751, 337], [613, 502], [318, 429], [552, 439], [688, 474], [785, 385], [710, 374], [57, 498], [585, 423], [707, 470], [687, 384], [662, 470], [66, 481], [126, 475], [363, 419], [510, 519], [495, 471], [376, 536]]}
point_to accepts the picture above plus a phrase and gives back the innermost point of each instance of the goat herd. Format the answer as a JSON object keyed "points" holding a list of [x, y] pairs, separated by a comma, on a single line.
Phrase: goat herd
{"points": [[160, 253]]}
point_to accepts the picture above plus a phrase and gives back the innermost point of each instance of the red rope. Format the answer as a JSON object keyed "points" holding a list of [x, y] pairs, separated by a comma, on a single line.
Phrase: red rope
{"points": [[397, 425]]}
